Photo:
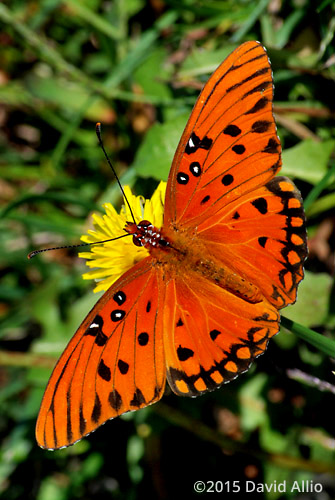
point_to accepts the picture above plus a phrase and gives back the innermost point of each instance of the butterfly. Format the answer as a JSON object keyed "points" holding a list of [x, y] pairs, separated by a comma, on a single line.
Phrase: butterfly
{"points": [[204, 303]]}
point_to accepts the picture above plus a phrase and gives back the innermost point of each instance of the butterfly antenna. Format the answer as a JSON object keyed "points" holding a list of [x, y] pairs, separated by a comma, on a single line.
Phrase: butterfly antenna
{"points": [[98, 132], [35, 252]]}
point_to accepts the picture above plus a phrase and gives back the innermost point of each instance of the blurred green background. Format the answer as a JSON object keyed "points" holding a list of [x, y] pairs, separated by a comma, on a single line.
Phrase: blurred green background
{"points": [[137, 67]]}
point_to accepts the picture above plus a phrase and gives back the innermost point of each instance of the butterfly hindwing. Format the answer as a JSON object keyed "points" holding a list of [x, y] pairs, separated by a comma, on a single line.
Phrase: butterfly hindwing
{"points": [[262, 237], [113, 364], [211, 335]]}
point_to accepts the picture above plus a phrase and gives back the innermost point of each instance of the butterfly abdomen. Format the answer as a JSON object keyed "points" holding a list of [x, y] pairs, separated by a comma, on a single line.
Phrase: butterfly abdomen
{"points": [[225, 278]]}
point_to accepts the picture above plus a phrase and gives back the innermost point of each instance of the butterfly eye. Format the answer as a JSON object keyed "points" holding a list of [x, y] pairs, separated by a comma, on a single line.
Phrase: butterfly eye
{"points": [[137, 240], [145, 224]]}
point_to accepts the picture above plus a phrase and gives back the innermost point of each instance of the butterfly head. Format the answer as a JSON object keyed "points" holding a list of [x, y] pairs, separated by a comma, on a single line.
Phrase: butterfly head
{"points": [[145, 234]]}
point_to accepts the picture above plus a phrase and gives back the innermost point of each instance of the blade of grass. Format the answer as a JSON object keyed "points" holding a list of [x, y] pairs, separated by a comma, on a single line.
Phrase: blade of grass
{"points": [[27, 360], [69, 131], [318, 188], [321, 205], [141, 50], [50, 55], [59, 197], [317, 340], [283, 34], [93, 19], [257, 11]]}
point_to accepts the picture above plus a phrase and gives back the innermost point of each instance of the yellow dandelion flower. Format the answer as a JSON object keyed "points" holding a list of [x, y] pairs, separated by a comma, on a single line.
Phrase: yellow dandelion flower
{"points": [[109, 261]]}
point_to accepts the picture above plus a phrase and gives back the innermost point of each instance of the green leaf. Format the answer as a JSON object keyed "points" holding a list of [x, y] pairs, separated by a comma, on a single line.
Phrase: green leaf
{"points": [[308, 160], [69, 97], [152, 74], [155, 154], [311, 308], [252, 403], [196, 64], [318, 188], [272, 440]]}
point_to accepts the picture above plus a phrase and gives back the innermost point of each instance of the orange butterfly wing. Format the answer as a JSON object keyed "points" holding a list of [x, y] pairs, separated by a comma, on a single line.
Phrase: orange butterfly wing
{"points": [[229, 146], [262, 237], [224, 200], [211, 335], [222, 189], [114, 362]]}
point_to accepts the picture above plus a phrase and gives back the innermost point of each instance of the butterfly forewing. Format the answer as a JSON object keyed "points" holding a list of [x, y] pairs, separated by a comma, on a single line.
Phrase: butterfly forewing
{"points": [[229, 146], [113, 364]]}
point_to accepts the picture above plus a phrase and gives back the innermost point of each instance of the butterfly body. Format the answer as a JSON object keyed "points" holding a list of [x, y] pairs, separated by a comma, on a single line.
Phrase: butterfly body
{"points": [[204, 302], [184, 252]]}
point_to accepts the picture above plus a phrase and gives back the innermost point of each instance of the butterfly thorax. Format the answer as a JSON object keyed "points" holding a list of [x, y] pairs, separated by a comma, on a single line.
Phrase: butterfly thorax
{"points": [[181, 251]]}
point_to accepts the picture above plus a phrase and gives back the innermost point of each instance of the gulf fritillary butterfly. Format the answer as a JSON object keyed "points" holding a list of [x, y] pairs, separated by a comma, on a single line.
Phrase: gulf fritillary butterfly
{"points": [[203, 305]]}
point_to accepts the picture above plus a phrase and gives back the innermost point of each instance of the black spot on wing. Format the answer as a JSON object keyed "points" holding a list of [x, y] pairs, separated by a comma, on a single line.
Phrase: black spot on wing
{"points": [[206, 143], [262, 241], [261, 205], [95, 330], [259, 72], [214, 334], [123, 366], [183, 178], [232, 130], [239, 149], [104, 371], [117, 315], [96, 412], [119, 297], [184, 353], [272, 146], [115, 400], [195, 168], [227, 179], [261, 126], [260, 104], [95, 327], [205, 199], [138, 399], [143, 338], [195, 143]]}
